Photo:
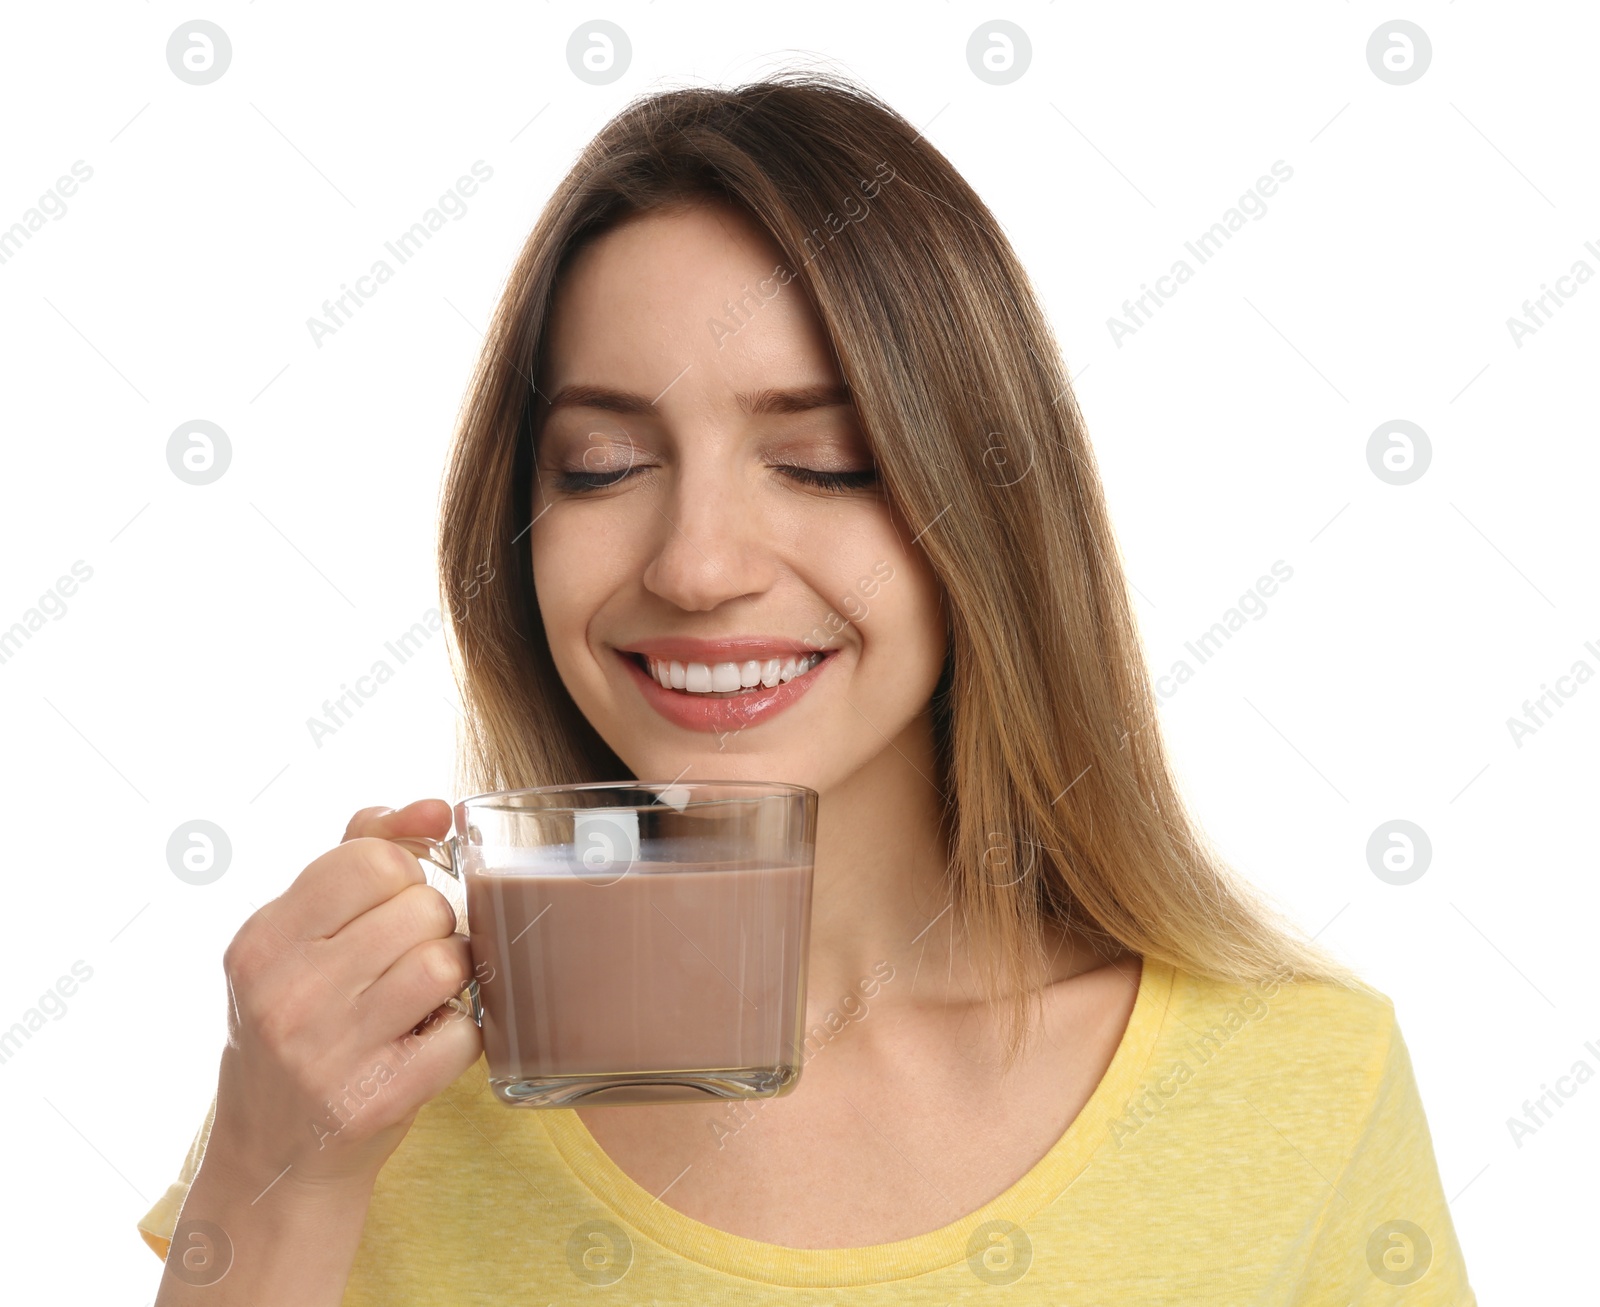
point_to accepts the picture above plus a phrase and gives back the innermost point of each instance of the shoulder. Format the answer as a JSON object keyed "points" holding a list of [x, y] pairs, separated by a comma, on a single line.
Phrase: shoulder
{"points": [[1312, 1022], [1231, 1073], [1292, 1103], [1311, 1056]]}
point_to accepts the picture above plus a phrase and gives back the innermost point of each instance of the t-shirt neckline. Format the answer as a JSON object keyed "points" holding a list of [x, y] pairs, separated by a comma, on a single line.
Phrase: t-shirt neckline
{"points": [[876, 1263]]}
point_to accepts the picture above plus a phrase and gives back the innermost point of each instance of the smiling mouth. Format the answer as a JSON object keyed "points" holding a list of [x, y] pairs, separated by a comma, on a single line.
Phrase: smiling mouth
{"points": [[701, 680]]}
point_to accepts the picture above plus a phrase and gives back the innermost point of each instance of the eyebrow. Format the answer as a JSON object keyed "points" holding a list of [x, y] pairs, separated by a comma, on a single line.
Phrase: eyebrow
{"points": [[798, 399]]}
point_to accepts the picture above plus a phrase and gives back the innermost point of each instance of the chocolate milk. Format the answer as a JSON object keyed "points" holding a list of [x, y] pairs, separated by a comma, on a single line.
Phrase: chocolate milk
{"points": [[685, 968]]}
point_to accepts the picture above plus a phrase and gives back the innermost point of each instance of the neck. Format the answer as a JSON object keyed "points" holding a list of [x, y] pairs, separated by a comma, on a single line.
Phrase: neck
{"points": [[882, 891]]}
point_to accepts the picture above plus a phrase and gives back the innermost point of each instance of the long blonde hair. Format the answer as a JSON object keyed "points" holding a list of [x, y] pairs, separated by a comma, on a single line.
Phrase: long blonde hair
{"points": [[1059, 801]]}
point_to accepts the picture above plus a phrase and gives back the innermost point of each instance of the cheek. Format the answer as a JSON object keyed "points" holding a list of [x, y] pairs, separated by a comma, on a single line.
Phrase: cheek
{"points": [[895, 603], [549, 572], [923, 626], [568, 583]]}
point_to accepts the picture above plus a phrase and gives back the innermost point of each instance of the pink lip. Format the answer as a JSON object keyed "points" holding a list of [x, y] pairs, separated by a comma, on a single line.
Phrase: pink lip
{"points": [[702, 713], [732, 649]]}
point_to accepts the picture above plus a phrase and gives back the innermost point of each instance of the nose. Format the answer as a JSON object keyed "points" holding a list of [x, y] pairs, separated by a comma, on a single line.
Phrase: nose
{"points": [[711, 541]]}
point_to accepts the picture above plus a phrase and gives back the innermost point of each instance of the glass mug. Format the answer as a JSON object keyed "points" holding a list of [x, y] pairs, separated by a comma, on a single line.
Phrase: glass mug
{"points": [[634, 941]]}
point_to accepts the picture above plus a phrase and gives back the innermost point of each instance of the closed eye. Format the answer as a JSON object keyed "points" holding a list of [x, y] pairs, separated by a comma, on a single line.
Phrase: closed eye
{"points": [[578, 483], [832, 480]]}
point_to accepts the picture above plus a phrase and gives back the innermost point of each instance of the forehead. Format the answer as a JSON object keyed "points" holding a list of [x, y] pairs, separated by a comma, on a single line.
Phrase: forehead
{"points": [[674, 247], [697, 297]]}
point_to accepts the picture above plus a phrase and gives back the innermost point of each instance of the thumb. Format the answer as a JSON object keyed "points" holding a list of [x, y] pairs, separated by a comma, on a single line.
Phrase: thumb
{"points": [[423, 817]]}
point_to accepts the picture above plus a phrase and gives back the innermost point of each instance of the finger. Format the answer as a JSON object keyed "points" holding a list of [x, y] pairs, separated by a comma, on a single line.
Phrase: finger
{"points": [[436, 1054], [342, 884], [424, 817], [364, 949], [428, 975]]}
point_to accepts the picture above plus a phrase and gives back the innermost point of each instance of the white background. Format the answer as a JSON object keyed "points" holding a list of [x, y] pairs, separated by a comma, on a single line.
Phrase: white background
{"points": [[1231, 430]]}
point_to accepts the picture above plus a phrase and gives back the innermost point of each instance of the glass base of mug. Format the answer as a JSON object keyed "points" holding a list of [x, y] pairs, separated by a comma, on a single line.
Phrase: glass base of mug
{"points": [[644, 1087]]}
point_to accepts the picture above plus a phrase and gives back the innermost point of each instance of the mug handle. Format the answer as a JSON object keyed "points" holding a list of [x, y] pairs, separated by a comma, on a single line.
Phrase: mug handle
{"points": [[437, 856]]}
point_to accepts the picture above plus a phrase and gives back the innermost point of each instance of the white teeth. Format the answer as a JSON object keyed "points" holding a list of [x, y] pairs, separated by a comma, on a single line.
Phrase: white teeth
{"points": [[726, 678]]}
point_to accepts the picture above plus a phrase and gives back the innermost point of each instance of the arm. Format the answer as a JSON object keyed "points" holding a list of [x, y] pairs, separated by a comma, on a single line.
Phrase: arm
{"points": [[234, 1244], [338, 981], [1386, 1231]]}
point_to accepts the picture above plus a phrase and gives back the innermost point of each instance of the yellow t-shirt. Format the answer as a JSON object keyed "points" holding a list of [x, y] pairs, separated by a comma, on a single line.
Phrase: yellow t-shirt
{"points": [[1260, 1144]]}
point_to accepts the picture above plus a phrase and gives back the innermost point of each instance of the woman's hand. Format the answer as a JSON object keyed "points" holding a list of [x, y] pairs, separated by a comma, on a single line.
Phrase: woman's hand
{"points": [[338, 1027]]}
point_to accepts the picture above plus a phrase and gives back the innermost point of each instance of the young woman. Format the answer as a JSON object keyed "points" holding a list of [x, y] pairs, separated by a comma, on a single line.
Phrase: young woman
{"points": [[768, 379]]}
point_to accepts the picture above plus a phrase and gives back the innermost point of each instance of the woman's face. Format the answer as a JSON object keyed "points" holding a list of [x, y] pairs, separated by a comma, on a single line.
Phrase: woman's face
{"points": [[686, 377]]}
